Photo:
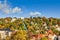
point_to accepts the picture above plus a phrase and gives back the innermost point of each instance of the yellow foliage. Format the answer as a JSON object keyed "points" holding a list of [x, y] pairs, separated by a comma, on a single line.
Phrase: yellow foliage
{"points": [[20, 35]]}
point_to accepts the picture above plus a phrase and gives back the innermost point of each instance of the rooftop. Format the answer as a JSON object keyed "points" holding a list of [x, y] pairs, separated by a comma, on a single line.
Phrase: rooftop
{"points": [[6, 29]]}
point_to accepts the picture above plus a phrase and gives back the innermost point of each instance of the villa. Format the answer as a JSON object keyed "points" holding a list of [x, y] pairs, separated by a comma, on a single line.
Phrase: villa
{"points": [[5, 32]]}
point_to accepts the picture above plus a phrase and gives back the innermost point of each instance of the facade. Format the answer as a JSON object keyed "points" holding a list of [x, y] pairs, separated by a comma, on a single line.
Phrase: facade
{"points": [[58, 28], [5, 32]]}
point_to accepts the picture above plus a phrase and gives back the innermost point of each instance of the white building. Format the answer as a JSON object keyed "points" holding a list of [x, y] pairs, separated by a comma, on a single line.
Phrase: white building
{"points": [[5, 32], [13, 20], [22, 18], [44, 24], [58, 28]]}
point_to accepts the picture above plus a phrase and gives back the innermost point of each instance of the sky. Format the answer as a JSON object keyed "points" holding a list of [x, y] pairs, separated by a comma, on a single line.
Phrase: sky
{"points": [[27, 8]]}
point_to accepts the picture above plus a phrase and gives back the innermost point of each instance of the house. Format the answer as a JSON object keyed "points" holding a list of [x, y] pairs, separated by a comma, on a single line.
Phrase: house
{"points": [[5, 32], [34, 37], [6, 21], [50, 32], [58, 28], [44, 24], [13, 20], [22, 18], [41, 35], [32, 22]]}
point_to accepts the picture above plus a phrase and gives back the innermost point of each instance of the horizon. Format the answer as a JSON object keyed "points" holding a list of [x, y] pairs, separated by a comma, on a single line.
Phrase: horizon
{"points": [[27, 8]]}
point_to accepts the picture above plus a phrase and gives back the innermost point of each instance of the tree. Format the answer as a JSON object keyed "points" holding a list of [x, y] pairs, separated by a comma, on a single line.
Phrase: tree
{"points": [[19, 35], [7, 38], [44, 38], [44, 19], [54, 21], [0, 36]]}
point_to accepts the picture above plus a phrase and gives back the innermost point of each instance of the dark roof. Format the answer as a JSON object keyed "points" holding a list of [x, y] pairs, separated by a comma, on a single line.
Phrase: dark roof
{"points": [[6, 29]]}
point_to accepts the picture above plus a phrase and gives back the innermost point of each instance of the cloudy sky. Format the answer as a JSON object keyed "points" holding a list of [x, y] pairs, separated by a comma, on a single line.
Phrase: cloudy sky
{"points": [[27, 8]]}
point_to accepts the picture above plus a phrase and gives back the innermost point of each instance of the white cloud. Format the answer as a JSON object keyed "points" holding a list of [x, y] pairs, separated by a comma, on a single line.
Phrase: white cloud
{"points": [[8, 9], [16, 10], [35, 13]]}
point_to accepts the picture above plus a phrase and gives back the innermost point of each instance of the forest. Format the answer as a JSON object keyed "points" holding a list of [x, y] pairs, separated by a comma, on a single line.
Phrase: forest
{"points": [[33, 28]]}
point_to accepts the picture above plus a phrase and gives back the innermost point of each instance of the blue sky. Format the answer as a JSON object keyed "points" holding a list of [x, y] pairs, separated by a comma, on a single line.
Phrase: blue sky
{"points": [[26, 8]]}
